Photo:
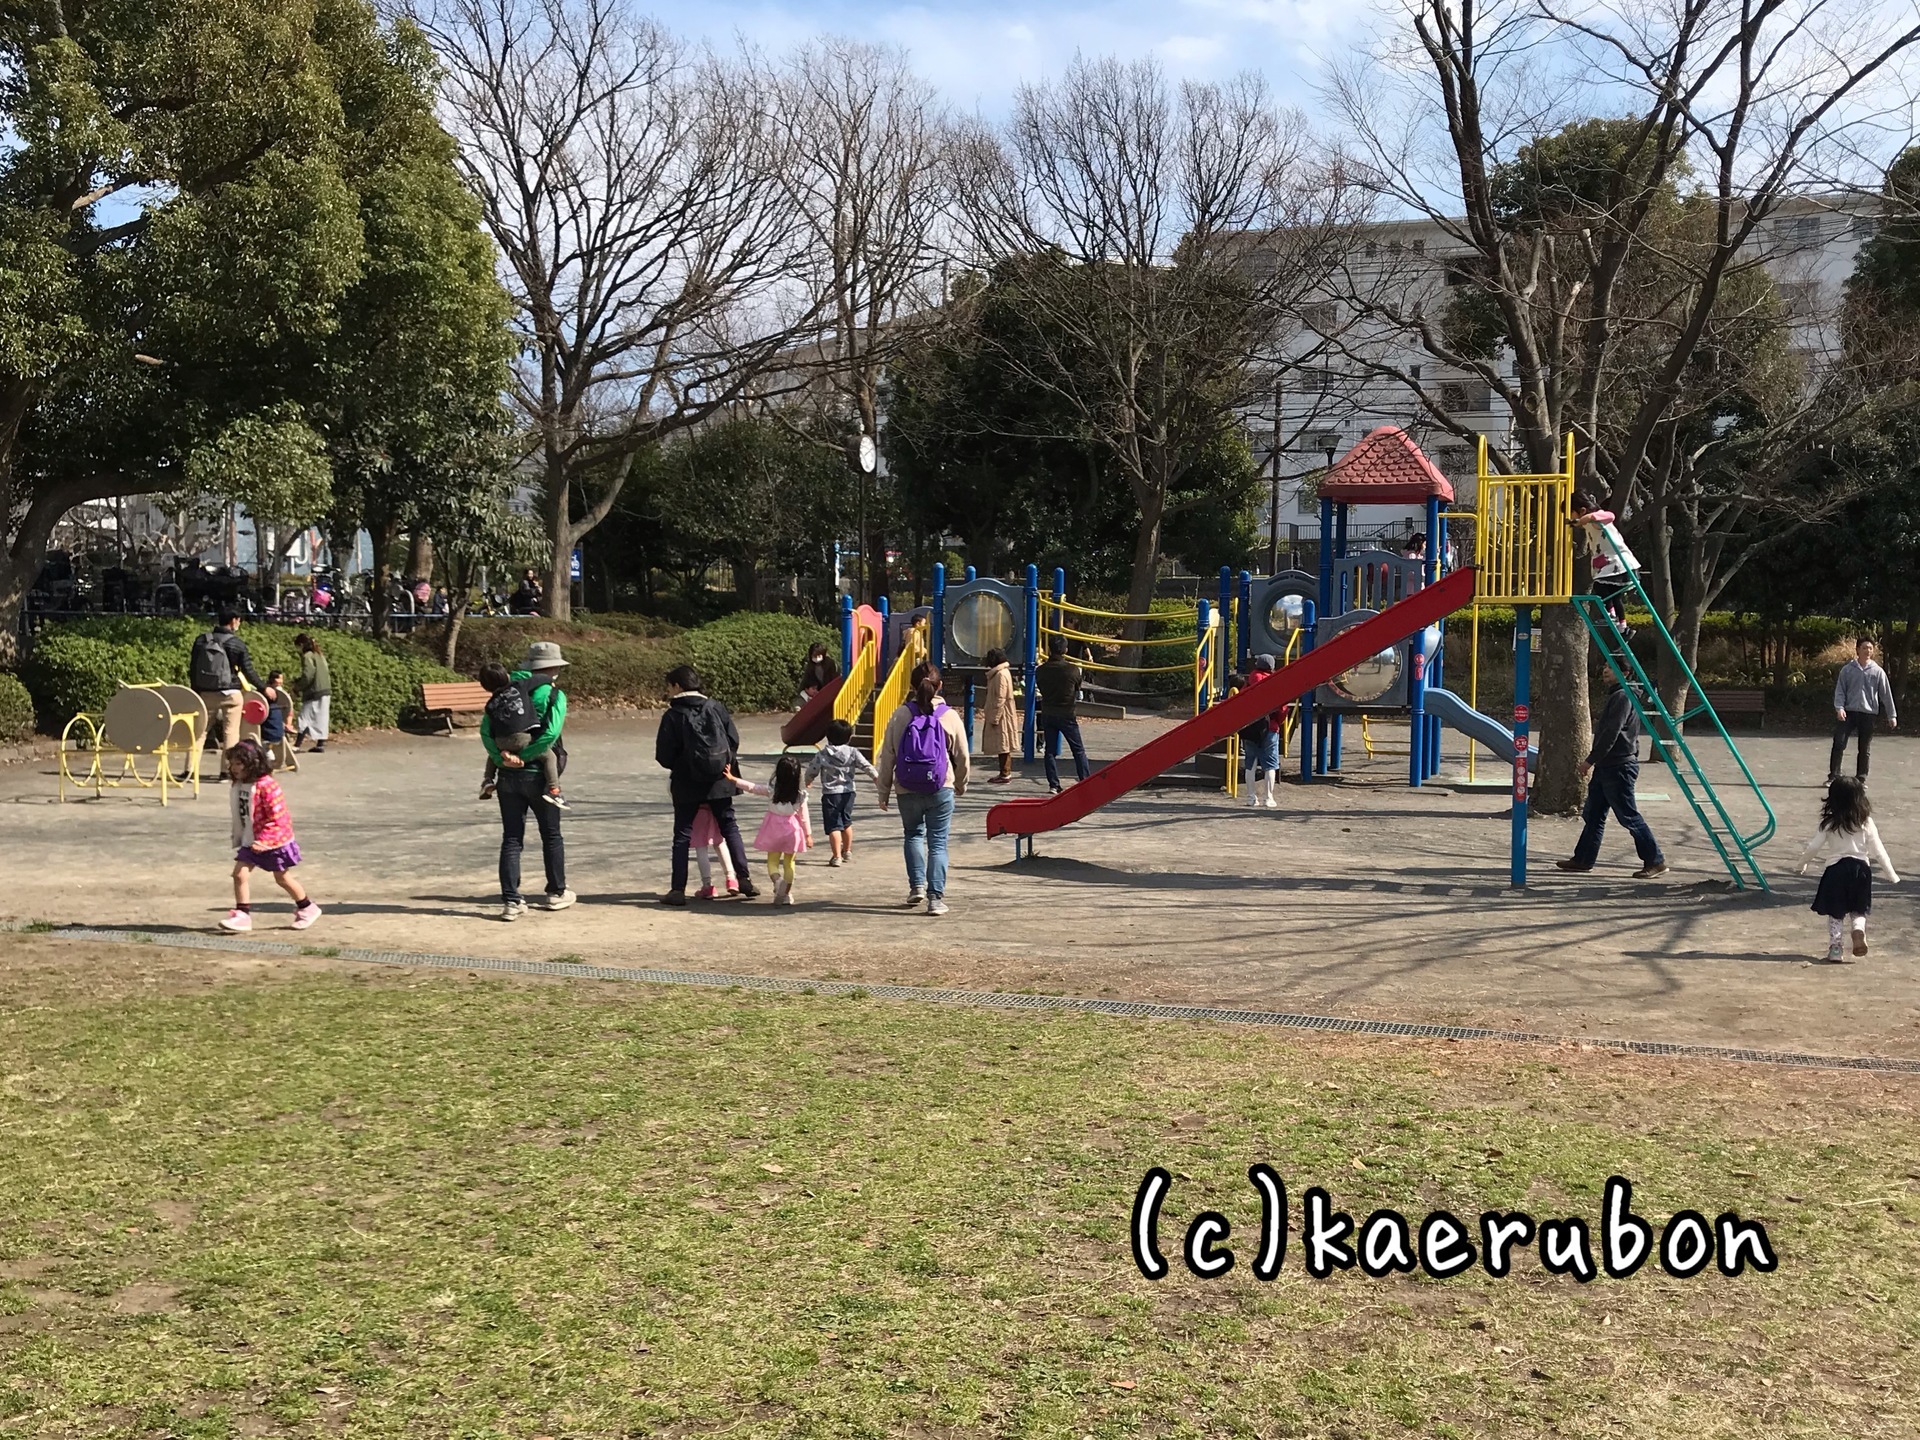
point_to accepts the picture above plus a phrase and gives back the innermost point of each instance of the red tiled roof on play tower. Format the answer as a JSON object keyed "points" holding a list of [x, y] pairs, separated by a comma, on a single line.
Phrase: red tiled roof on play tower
{"points": [[1386, 468]]}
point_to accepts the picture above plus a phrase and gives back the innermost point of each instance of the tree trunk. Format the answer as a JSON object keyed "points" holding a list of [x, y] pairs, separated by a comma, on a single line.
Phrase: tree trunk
{"points": [[1146, 569], [419, 556], [380, 602], [1686, 638], [558, 602], [1565, 721], [450, 633], [1903, 656]]}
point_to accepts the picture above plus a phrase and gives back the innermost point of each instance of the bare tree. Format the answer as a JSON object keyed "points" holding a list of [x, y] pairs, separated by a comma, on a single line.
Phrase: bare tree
{"points": [[1729, 109], [639, 193], [868, 181], [1158, 235]]}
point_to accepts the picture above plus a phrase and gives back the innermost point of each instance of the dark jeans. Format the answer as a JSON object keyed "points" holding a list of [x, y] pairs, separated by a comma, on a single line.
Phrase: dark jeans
{"points": [[1610, 787], [684, 811], [1052, 728], [1860, 723], [521, 791]]}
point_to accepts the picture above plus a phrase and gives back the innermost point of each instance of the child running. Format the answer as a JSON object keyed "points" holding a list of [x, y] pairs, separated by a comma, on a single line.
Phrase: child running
{"points": [[273, 729], [262, 836], [785, 831], [513, 721], [836, 765], [1849, 842]]}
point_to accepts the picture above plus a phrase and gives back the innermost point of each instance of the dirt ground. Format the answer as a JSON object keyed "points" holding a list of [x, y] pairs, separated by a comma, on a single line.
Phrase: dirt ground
{"points": [[1362, 898]]}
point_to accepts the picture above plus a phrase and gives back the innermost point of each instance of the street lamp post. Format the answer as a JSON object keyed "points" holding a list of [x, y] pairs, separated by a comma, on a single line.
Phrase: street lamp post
{"points": [[1273, 513]]}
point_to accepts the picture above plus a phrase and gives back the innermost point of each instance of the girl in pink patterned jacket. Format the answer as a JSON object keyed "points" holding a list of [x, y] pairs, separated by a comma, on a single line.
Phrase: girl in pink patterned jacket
{"points": [[263, 837]]}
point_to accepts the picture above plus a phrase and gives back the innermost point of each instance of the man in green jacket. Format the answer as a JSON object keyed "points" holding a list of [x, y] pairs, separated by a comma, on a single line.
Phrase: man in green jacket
{"points": [[520, 788]]}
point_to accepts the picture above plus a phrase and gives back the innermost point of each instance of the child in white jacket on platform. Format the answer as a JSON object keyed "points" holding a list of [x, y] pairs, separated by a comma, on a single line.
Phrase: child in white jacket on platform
{"points": [[1849, 843]]}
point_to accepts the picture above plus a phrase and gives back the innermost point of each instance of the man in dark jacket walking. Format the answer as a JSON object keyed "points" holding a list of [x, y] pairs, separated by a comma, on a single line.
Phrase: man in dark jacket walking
{"points": [[218, 661], [697, 745], [1613, 766], [1058, 682]]}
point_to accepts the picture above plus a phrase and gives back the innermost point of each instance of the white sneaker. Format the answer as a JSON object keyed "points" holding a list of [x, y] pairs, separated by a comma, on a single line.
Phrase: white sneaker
{"points": [[237, 920], [1253, 792], [1267, 794], [303, 919], [512, 909], [936, 906], [833, 862], [562, 900], [916, 895]]}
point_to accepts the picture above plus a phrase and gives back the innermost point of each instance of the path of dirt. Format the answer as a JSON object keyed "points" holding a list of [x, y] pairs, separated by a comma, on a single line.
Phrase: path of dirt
{"points": [[1364, 898]]}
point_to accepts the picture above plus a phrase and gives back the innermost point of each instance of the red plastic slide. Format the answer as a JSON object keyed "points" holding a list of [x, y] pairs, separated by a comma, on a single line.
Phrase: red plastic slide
{"points": [[1285, 685], [809, 723]]}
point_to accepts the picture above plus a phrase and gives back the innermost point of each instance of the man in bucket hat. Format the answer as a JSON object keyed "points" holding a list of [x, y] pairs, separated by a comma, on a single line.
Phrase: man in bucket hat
{"points": [[520, 788]]}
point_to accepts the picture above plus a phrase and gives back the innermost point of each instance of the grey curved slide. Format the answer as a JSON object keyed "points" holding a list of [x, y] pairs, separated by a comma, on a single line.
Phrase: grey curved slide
{"points": [[1452, 710]]}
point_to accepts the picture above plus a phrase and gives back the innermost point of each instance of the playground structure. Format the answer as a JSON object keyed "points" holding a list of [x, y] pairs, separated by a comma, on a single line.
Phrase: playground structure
{"points": [[1364, 637], [155, 724], [1373, 639]]}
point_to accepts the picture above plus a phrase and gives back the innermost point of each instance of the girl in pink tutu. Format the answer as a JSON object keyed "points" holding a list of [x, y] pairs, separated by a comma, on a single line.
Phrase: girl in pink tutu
{"points": [[708, 842], [262, 836], [786, 830]]}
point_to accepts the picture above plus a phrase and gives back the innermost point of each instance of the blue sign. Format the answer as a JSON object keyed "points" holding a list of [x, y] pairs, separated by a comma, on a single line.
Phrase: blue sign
{"points": [[576, 562]]}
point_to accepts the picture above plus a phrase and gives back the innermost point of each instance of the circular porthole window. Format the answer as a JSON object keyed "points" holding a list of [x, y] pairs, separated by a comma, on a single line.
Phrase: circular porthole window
{"points": [[981, 622], [1287, 614], [1370, 679]]}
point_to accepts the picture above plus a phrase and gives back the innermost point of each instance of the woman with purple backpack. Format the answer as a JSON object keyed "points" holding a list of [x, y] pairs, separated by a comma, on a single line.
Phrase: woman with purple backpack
{"points": [[924, 758]]}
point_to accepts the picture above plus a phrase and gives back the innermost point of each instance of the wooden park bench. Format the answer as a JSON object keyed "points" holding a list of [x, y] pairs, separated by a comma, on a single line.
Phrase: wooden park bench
{"points": [[454, 695], [1738, 702]]}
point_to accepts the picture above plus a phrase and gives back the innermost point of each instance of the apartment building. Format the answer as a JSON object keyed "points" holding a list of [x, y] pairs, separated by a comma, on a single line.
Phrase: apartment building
{"points": [[1346, 377]]}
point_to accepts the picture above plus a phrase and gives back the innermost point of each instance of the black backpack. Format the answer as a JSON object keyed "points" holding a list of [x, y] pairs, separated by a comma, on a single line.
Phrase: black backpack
{"points": [[511, 709], [708, 753], [210, 667]]}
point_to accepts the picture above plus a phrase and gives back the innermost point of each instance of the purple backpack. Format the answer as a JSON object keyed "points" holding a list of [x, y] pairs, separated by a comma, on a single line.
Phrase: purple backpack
{"points": [[921, 765]]}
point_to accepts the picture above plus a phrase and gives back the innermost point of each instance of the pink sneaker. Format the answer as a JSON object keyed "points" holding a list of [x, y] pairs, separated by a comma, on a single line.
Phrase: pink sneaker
{"points": [[705, 892], [733, 887], [302, 919], [237, 920]]}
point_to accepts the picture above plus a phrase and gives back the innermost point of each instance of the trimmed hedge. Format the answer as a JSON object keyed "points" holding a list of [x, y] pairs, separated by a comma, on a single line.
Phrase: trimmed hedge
{"points": [[16, 710], [605, 666], [78, 665], [753, 662]]}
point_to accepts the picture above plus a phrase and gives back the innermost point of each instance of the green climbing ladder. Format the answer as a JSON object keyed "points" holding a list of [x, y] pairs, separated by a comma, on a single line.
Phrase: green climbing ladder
{"points": [[1669, 740]]}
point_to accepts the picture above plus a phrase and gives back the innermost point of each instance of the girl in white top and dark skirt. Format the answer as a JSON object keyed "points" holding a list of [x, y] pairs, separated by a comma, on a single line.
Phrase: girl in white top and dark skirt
{"points": [[1849, 843]]}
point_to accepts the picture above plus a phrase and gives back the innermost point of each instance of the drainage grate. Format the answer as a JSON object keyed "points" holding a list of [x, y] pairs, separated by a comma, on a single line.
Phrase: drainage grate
{"points": [[994, 999]]}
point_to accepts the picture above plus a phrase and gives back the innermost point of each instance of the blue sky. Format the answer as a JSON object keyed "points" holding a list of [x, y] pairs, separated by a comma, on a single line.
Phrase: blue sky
{"points": [[978, 52]]}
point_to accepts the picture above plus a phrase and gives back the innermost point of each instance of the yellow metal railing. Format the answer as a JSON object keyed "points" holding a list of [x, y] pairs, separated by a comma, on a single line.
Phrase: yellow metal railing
{"points": [[1523, 536], [893, 693], [1054, 616], [857, 688]]}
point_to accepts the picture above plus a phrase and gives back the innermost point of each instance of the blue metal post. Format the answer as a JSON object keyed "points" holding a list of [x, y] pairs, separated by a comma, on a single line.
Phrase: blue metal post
{"points": [[937, 625], [846, 634], [1522, 711], [1032, 665], [1340, 531], [1306, 700], [1326, 558], [972, 574], [886, 637], [1416, 704], [1245, 645], [1436, 553]]}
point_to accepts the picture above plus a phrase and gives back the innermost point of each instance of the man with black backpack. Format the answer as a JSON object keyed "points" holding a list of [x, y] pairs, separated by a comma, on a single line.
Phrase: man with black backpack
{"points": [[697, 745], [214, 668], [521, 786]]}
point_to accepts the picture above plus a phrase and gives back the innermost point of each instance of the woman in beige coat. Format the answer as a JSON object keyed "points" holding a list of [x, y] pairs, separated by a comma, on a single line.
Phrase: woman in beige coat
{"points": [[1001, 722]]}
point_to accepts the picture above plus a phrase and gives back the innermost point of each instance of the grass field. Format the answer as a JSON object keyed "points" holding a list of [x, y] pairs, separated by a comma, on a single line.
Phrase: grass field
{"points": [[433, 1207]]}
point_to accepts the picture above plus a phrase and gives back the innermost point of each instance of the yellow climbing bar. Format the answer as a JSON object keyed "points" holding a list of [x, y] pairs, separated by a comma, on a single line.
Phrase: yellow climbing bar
{"points": [[1523, 535], [1192, 613]]}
